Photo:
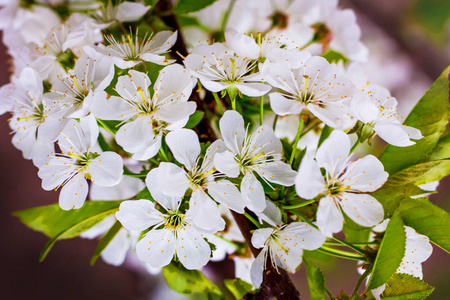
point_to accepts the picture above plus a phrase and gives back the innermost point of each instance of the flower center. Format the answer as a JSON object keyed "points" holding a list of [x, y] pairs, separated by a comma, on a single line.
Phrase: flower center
{"points": [[174, 221]]}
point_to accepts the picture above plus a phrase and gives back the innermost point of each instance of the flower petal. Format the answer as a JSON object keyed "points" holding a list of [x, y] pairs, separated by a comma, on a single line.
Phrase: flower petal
{"points": [[192, 250], [185, 146], [333, 153], [226, 193], [362, 208], [107, 169], [232, 130], [205, 212], [253, 193], [260, 237], [309, 182], [73, 193], [138, 214], [156, 248], [329, 217], [172, 180], [366, 174], [227, 164], [283, 106]]}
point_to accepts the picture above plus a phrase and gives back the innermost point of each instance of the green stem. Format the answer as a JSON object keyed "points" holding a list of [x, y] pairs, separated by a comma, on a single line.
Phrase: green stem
{"points": [[331, 243], [233, 103], [163, 154], [275, 122], [357, 143], [297, 138], [261, 113], [359, 250], [252, 219], [311, 127], [341, 253], [226, 15], [106, 127], [297, 205], [228, 241], [219, 103], [360, 281]]}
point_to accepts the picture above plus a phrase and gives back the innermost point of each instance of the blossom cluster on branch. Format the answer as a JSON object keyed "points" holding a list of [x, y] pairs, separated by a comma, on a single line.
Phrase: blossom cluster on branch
{"points": [[189, 117]]}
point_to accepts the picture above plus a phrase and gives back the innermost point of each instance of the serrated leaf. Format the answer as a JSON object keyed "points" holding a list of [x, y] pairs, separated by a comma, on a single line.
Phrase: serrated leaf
{"points": [[430, 116], [406, 287], [188, 6], [410, 174], [105, 240], [390, 253], [51, 220], [316, 282], [194, 119], [238, 287], [427, 219], [186, 281]]}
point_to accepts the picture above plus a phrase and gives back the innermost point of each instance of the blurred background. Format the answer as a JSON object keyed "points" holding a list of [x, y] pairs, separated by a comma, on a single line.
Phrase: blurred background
{"points": [[409, 43]]}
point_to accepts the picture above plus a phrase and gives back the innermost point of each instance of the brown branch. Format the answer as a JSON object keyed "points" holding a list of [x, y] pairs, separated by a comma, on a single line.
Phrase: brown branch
{"points": [[275, 284]]}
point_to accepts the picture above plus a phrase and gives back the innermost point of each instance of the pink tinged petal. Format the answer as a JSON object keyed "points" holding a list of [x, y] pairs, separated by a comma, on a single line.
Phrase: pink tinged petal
{"points": [[185, 146], [242, 44], [134, 135], [130, 11], [156, 248], [283, 106], [226, 193], [192, 250], [305, 235], [333, 153], [277, 172], [253, 89], [138, 214], [253, 193], [260, 237], [329, 217], [205, 212], [257, 268], [116, 251], [112, 108], [226, 163], [364, 108], [107, 169], [73, 193], [172, 180], [394, 134], [366, 174], [168, 202], [362, 208], [232, 130], [309, 182], [148, 150]]}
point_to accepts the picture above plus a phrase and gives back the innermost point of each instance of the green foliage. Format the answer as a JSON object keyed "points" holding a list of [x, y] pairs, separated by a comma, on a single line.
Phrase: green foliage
{"points": [[410, 174], [430, 116], [194, 119], [390, 253], [238, 287], [354, 235], [326, 131], [151, 3], [106, 239], [406, 287], [334, 56], [316, 282], [188, 6], [144, 194], [187, 281], [432, 15], [427, 219]]}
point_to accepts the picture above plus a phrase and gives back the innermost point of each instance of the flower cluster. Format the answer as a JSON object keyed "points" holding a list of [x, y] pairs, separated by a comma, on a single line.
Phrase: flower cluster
{"points": [[124, 114]]}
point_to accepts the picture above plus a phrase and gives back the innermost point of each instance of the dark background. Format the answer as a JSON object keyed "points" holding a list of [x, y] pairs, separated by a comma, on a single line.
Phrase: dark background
{"points": [[66, 273]]}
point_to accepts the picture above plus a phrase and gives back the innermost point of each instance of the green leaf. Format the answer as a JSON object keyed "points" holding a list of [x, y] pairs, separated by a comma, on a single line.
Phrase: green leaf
{"points": [[427, 219], [406, 287], [186, 281], [238, 287], [194, 119], [188, 6], [151, 3], [316, 282], [106, 239], [390, 253], [410, 174], [430, 116], [354, 235], [51, 220], [326, 131], [144, 194], [334, 56]]}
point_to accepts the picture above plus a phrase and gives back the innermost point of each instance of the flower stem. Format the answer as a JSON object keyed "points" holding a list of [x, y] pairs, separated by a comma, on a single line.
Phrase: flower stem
{"points": [[297, 138], [275, 122], [163, 154], [261, 114], [226, 15], [297, 205], [233, 103], [357, 143], [104, 126], [219, 103], [341, 253], [252, 219], [360, 281], [359, 250]]}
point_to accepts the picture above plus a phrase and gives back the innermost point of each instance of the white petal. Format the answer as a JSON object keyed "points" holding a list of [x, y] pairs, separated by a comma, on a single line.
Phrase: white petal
{"points": [[253, 193], [394, 134], [138, 214], [366, 174], [242, 44], [329, 217], [309, 182], [107, 169], [156, 248], [127, 187], [132, 136], [205, 212], [168, 202], [128, 86], [185, 146], [333, 153], [149, 149], [283, 106], [257, 268], [362, 208], [232, 130], [116, 251], [264, 141], [308, 237], [175, 112], [277, 172], [271, 214], [192, 250], [112, 108], [226, 193], [260, 237], [73, 193], [226, 163], [172, 180], [130, 11], [253, 89], [363, 108]]}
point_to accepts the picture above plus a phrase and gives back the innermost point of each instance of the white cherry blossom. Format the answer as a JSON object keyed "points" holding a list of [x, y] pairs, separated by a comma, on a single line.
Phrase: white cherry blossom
{"points": [[378, 109], [167, 109], [315, 87], [106, 14], [344, 185], [77, 161], [282, 244], [247, 154]]}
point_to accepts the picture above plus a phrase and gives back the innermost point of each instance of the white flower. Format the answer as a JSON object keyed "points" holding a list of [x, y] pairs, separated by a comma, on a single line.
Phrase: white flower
{"points": [[199, 177], [343, 186], [78, 161], [282, 244], [133, 50], [171, 232], [258, 153], [167, 109], [314, 86], [378, 109], [218, 68], [108, 13]]}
